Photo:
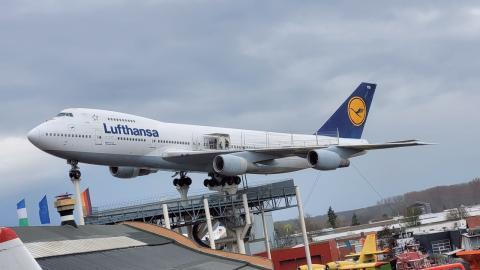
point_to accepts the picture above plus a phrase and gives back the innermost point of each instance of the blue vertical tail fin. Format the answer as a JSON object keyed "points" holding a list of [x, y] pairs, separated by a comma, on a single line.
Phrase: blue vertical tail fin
{"points": [[350, 118]]}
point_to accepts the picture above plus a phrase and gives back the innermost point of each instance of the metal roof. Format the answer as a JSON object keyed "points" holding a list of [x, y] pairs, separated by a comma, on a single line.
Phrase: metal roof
{"points": [[122, 247], [64, 247], [168, 256], [59, 233]]}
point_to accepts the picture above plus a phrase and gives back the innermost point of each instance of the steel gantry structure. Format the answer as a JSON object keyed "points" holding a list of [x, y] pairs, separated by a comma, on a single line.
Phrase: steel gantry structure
{"points": [[227, 209]]}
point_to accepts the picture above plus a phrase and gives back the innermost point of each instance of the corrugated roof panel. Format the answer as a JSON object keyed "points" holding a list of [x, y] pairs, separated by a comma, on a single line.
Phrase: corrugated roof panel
{"points": [[59, 233], [58, 248], [168, 256]]}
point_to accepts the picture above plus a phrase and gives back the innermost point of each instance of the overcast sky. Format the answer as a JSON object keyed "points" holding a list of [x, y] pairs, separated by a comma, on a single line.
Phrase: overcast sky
{"points": [[272, 65]]}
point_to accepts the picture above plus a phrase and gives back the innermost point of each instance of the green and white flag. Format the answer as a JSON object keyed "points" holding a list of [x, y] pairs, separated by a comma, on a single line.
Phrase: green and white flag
{"points": [[22, 213]]}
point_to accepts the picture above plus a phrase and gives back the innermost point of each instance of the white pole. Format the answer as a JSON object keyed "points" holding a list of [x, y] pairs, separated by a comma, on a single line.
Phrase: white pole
{"points": [[166, 218], [241, 233], [265, 233], [301, 217], [240, 242], [78, 201], [209, 223], [248, 221]]}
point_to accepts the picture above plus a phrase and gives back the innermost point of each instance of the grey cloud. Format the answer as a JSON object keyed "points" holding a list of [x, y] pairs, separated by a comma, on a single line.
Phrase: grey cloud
{"points": [[274, 65]]}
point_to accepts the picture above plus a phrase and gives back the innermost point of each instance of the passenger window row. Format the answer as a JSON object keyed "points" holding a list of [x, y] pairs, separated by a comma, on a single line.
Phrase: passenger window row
{"points": [[131, 139], [157, 141], [121, 120], [65, 114], [171, 142], [68, 135]]}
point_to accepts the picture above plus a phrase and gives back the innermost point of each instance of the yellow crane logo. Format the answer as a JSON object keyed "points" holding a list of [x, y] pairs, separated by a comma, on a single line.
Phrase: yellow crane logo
{"points": [[357, 111]]}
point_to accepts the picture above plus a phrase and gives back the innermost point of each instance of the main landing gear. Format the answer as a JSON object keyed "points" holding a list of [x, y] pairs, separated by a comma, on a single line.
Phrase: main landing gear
{"points": [[182, 184], [75, 177], [221, 183], [183, 180], [220, 180]]}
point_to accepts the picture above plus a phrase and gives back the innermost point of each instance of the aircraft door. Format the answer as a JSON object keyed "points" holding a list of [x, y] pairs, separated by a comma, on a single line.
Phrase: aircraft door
{"points": [[217, 142], [69, 136], [153, 143], [108, 140], [98, 137], [196, 143]]}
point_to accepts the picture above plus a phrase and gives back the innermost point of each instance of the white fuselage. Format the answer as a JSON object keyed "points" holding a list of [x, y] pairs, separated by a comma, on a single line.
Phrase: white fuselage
{"points": [[118, 139]]}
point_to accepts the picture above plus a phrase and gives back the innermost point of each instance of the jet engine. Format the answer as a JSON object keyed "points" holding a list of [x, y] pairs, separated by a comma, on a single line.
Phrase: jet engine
{"points": [[325, 160], [229, 165], [129, 172]]}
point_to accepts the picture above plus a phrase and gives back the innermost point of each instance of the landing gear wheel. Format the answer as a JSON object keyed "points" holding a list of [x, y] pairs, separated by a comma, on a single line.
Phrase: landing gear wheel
{"points": [[183, 180], [212, 182], [237, 180], [230, 180], [75, 174], [205, 182]]}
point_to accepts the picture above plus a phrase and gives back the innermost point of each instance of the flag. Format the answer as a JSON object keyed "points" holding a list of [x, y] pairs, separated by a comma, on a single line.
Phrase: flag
{"points": [[22, 213], [86, 203], [43, 211]]}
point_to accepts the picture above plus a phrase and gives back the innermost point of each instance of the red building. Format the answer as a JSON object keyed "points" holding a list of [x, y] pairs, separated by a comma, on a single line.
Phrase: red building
{"points": [[291, 258]]}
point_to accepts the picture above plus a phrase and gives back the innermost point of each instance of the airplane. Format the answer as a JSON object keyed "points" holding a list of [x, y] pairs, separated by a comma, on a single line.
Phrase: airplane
{"points": [[134, 146], [13, 253], [366, 259]]}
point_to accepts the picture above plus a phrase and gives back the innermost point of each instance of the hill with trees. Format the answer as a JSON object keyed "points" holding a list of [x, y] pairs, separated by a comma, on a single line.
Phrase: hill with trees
{"points": [[439, 197]]}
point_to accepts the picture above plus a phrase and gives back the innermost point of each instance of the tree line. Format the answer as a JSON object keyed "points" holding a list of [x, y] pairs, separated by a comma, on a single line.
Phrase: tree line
{"points": [[439, 197]]}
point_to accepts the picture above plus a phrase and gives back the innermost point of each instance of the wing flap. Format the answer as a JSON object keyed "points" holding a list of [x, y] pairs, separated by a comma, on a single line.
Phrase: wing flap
{"points": [[205, 157]]}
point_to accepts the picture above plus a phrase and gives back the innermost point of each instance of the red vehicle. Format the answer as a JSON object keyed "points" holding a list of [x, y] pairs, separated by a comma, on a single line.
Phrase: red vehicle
{"points": [[452, 266]]}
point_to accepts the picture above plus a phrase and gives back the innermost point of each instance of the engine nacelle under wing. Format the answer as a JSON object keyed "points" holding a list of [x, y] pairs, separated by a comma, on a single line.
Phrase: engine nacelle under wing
{"points": [[325, 160], [129, 172], [230, 165]]}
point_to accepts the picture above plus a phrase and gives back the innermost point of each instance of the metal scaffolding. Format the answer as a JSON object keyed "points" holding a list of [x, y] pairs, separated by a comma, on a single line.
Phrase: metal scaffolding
{"points": [[224, 208]]}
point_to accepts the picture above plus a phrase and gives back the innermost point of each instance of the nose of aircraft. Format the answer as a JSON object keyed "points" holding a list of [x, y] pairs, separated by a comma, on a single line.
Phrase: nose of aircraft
{"points": [[33, 136]]}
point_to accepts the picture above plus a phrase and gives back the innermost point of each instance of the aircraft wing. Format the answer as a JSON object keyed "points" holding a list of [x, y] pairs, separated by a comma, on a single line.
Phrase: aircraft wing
{"points": [[269, 153], [364, 147], [361, 265], [254, 155]]}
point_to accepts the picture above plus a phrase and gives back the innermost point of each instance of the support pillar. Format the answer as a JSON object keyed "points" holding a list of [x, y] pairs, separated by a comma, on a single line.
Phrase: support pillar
{"points": [[265, 233], [240, 242], [301, 217], [209, 223], [78, 200], [166, 217], [183, 190]]}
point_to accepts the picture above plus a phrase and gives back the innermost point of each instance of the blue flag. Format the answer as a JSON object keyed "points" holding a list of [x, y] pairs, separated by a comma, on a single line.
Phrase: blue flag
{"points": [[43, 211]]}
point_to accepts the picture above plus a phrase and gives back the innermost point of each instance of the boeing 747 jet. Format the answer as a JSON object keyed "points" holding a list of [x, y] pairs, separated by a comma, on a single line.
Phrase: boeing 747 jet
{"points": [[134, 146]]}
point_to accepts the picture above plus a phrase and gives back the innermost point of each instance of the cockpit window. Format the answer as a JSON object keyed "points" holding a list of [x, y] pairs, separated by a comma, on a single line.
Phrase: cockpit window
{"points": [[65, 114]]}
